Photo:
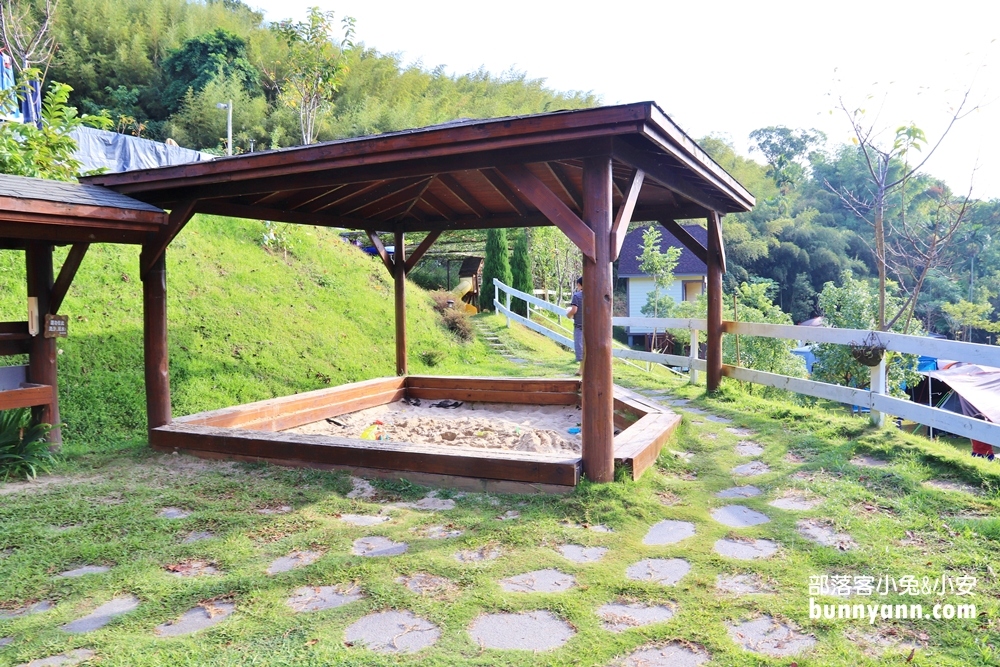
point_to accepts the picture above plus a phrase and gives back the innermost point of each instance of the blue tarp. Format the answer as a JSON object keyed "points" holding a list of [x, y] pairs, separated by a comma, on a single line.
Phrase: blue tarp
{"points": [[115, 152]]}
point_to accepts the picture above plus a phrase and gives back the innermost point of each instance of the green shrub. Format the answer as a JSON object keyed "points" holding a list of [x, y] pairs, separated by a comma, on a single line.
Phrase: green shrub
{"points": [[458, 323], [24, 451], [431, 357]]}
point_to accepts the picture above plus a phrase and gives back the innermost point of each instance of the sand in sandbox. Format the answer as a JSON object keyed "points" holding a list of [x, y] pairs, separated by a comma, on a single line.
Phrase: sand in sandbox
{"points": [[526, 428]]}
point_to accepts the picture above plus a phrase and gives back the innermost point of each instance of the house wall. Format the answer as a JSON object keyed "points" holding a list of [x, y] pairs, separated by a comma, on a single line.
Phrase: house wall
{"points": [[639, 289]]}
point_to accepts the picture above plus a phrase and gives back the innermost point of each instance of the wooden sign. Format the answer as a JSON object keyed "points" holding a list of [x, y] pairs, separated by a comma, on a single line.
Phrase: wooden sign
{"points": [[56, 326]]}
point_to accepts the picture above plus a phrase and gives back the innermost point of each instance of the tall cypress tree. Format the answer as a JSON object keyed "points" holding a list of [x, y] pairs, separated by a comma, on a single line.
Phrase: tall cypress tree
{"points": [[520, 268], [497, 265]]}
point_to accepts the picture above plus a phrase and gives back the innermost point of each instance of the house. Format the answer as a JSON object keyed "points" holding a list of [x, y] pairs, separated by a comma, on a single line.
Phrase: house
{"points": [[689, 276]]}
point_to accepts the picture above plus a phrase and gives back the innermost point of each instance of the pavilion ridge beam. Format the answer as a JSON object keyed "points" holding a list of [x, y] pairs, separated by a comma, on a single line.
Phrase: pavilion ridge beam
{"points": [[500, 185], [382, 252], [156, 247], [619, 228], [66, 275], [421, 249], [684, 236], [553, 208], [457, 189], [561, 174], [661, 172]]}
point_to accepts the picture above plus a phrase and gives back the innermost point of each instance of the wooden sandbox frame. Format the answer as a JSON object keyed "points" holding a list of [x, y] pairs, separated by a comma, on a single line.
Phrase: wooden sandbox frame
{"points": [[252, 432]]}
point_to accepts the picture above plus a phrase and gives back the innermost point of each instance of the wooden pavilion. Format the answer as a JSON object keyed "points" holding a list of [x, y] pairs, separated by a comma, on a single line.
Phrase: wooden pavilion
{"points": [[35, 215], [588, 172]]}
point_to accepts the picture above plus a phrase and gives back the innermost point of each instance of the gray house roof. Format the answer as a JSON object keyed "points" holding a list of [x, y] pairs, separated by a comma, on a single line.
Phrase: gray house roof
{"points": [[687, 265]]}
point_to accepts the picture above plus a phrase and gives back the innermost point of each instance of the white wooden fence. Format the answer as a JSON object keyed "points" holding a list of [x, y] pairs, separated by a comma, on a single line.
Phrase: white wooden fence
{"points": [[874, 399]]}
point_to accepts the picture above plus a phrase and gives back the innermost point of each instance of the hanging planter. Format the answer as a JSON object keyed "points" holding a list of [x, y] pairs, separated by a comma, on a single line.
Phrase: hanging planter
{"points": [[868, 352]]}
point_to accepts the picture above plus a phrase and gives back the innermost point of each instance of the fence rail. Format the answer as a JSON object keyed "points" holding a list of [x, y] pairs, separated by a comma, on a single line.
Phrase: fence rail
{"points": [[873, 399]]}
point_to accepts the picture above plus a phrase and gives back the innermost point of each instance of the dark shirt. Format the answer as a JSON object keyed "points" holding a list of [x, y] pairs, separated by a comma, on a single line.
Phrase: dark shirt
{"points": [[577, 301]]}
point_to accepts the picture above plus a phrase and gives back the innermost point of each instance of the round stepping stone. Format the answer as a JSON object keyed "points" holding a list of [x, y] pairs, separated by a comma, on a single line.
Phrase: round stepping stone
{"points": [[668, 532], [173, 513], [696, 411], [509, 516], [666, 572], [539, 581], [84, 571], [67, 659], [622, 617], [191, 568], [440, 532], [600, 528], [392, 632], [670, 655], [318, 598], [718, 420], [741, 550], [767, 636], [752, 468], [824, 535], [198, 618], [363, 519], [749, 448], [361, 488], [795, 503], [740, 431], [527, 631], [5, 640], [738, 516], [426, 584], [375, 547], [581, 554], [430, 503], [949, 485], [280, 509], [27, 610], [198, 536], [292, 561], [103, 615], [865, 461], [741, 584], [478, 555], [739, 492], [677, 402]]}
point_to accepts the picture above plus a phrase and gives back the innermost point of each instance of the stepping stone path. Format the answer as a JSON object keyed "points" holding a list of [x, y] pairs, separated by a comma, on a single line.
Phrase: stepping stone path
{"points": [[718, 420], [361, 488], [429, 503], [581, 554], [670, 655], [527, 631], [741, 584], [751, 469], [198, 536], [66, 659], [27, 610], [198, 618], [658, 570], [668, 532], [318, 598], [767, 636], [739, 492], [695, 411], [740, 431], [103, 615], [5, 640], [949, 485], [749, 448], [191, 568], [509, 516], [439, 532], [392, 632], [374, 547], [281, 509], [84, 571], [600, 528], [824, 535], [363, 519], [478, 555], [678, 402], [622, 617], [794, 502], [292, 561], [738, 516], [539, 581], [749, 550], [173, 513], [864, 461], [426, 584]]}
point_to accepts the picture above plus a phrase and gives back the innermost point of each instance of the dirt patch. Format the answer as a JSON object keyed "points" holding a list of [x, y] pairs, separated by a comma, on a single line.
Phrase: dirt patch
{"points": [[529, 428]]}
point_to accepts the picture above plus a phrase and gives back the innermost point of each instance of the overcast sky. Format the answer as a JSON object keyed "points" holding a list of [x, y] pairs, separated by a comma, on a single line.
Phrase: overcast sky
{"points": [[727, 68]]}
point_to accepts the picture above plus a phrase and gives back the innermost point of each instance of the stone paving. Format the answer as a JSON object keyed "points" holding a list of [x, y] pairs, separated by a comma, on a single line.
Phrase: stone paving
{"points": [[198, 618], [670, 655], [318, 598], [103, 615], [666, 572], [527, 631], [392, 632], [539, 581], [620, 617], [292, 561]]}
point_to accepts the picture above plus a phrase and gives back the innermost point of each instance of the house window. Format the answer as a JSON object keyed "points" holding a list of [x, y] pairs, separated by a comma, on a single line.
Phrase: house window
{"points": [[693, 289]]}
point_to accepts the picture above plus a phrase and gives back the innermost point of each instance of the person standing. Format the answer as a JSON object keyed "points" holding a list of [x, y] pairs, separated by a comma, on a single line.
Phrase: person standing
{"points": [[575, 311]]}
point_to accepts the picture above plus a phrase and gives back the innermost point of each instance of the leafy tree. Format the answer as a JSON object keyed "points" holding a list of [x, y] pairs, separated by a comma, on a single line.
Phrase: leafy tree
{"points": [[556, 262], [965, 316], [803, 298], [200, 124], [520, 269], [201, 59], [659, 266], [772, 355], [496, 265], [785, 151]]}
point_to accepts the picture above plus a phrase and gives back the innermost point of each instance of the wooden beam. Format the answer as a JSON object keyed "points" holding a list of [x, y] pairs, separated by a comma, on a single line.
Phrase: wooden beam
{"points": [[52, 233], [714, 333], [400, 197], [424, 246], [457, 189], [562, 175], [716, 231], [155, 248], [400, 297], [684, 236], [66, 274], [340, 196], [658, 169], [217, 207], [597, 400], [380, 249], [553, 208], [42, 350], [435, 202], [154, 343], [619, 228], [505, 191], [381, 193]]}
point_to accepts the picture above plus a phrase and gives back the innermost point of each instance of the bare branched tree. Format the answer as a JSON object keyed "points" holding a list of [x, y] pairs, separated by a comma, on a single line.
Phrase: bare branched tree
{"points": [[26, 28]]}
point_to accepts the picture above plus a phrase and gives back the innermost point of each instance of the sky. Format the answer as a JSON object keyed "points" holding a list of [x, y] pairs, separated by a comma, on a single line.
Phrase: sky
{"points": [[727, 68]]}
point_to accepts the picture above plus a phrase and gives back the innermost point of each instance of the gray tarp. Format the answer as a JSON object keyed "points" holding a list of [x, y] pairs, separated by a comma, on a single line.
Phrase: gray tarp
{"points": [[977, 386], [115, 152]]}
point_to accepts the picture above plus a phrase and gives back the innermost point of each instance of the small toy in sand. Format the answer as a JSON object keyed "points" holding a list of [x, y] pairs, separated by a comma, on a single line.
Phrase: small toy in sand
{"points": [[573, 430], [374, 432]]}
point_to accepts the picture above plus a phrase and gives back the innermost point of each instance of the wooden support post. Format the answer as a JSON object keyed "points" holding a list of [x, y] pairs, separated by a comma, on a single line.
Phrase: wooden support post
{"points": [[878, 387], [597, 400], [693, 355], [154, 339], [715, 270], [42, 350], [399, 275]]}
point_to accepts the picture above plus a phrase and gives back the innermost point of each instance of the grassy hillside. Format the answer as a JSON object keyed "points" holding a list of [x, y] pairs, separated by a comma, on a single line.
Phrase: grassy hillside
{"points": [[245, 324]]}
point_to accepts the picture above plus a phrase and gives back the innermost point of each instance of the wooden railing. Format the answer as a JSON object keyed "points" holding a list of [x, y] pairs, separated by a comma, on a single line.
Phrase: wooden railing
{"points": [[873, 399]]}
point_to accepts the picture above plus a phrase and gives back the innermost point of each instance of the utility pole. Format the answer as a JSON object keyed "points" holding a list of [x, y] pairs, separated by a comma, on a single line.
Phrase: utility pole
{"points": [[229, 124]]}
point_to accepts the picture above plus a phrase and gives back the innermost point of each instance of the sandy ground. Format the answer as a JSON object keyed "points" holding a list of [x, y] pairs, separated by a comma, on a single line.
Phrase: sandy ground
{"points": [[526, 428]]}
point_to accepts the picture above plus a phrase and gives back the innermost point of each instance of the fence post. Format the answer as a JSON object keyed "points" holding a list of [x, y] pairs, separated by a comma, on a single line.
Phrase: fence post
{"points": [[507, 294], [878, 387], [693, 354]]}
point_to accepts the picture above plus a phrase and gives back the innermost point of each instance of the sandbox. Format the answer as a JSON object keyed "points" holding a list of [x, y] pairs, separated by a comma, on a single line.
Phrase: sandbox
{"points": [[322, 429]]}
